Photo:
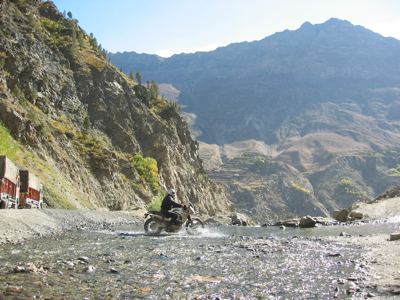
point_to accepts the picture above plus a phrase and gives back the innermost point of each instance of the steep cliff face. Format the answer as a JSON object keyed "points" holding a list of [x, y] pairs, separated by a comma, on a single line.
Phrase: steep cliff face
{"points": [[76, 121]]}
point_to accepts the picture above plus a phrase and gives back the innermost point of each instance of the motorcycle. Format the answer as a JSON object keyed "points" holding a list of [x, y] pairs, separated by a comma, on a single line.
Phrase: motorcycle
{"points": [[156, 222]]}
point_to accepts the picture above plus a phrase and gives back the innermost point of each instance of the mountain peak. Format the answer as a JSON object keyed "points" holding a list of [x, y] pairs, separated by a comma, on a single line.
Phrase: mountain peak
{"points": [[306, 25], [330, 24], [333, 22]]}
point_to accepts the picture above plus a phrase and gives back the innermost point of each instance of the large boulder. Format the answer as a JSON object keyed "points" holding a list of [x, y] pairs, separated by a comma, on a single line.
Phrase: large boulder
{"points": [[288, 223], [341, 215], [346, 214], [324, 221], [241, 220], [394, 236], [307, 222], [355, 215]]}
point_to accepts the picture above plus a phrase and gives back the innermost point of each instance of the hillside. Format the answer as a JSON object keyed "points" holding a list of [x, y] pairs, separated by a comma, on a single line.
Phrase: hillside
{"points": [[324, 100], [94, 137]]}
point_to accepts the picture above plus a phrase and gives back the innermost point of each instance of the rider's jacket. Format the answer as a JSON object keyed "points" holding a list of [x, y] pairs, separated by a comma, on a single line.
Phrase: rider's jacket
{"points": [[168, 203]]}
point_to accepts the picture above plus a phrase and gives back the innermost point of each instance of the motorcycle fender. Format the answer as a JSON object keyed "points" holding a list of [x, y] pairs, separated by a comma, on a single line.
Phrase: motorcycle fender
{"points": [[156, 217]]}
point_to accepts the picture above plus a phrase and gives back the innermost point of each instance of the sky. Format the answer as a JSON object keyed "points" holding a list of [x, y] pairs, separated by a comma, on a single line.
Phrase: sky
{"points": [[167, 27]]}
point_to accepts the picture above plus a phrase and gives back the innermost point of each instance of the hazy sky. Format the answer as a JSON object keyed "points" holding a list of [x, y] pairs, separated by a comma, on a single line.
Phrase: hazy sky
{"points": [[166, 27]]}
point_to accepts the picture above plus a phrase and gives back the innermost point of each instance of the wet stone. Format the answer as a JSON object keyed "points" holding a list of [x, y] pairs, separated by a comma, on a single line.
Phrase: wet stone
{"points": [[334, 254], [90, 269], [84, 259]]}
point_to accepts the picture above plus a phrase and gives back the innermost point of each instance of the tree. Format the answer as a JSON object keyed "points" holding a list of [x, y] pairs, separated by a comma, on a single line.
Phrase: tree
{"points": [[138, 78], [86, 123], [131, 75], [69, 14], [154, 91]]}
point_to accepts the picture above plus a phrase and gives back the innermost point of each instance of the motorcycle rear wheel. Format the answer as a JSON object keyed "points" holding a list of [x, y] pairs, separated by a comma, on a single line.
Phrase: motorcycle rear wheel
{"points": [[194, 225], [152, 227]]}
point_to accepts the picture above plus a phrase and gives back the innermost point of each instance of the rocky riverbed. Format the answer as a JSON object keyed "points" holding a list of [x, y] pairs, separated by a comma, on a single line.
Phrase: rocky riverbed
{"points": [[111, 258], [129, 265]]}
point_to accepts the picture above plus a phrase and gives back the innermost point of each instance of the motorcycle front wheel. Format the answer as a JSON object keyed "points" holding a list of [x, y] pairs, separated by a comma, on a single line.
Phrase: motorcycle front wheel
{"points": [[194, 225], [152, 227]]}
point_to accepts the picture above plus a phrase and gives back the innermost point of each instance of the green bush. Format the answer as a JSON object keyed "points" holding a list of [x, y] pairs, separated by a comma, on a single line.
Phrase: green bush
{"points": [[53, 27], [394, 172], [142, 93], [3, 57], [155, 205], [300, 188], [170, 109], [147, 169], [345, 182], [8, 146]]}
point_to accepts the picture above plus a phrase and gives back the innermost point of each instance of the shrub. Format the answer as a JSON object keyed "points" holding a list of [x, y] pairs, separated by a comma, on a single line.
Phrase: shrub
{"points": [[147, 169], [3, 57], [394, 172], [142, 93], [171, 109], [17, 92], [345, 182], [155, 205], [52, 27], [86, 123], [300, 188], [8, 146]]}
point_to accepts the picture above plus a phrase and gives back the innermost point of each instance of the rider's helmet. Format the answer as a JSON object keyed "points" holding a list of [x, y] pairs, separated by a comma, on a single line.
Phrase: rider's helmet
{"points": [[171, 192]]}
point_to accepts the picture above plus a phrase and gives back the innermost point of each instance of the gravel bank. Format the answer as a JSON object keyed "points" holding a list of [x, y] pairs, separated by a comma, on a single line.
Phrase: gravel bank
{"points": [[24, 224], [382, 258]]}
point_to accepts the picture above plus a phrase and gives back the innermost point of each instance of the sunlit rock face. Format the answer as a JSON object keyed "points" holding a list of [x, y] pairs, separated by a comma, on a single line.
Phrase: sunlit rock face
{"points": [[76, 121]]}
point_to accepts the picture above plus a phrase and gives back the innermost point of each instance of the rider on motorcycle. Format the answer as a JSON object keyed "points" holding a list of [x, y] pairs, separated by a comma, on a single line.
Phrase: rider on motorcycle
{"points": [[167, 204]]}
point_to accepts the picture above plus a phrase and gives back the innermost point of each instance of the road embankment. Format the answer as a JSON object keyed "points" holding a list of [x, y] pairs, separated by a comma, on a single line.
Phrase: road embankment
{"points": [[21, 225]]}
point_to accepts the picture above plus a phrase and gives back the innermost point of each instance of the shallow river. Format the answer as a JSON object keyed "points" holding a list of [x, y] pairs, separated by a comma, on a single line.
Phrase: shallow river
{"points": [[220, 263]]}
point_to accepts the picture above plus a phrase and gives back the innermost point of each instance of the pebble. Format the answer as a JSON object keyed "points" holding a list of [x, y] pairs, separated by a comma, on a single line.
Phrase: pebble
{"points": [[20, 269], [352, 279], [336, 254], [90, 269], [84, 259], [14, 289], [114, 271]]}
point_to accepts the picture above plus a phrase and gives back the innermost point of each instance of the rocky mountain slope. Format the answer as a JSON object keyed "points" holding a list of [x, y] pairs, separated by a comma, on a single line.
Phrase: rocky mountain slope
{"points": [[95, 138], [322, 104]]}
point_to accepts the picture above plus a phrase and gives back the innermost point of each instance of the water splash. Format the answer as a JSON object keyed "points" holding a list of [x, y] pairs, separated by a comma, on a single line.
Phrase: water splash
{"points": [[395, 219], [203, 233], [212, 233]]}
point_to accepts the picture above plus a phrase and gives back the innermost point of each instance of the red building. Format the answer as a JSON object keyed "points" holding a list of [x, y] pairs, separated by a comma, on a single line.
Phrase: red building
{"points": [[30, 191], [9, 183]]}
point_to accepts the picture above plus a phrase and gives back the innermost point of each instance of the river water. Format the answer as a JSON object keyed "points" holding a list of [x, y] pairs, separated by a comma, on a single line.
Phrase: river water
{"points": [[220, 263]]}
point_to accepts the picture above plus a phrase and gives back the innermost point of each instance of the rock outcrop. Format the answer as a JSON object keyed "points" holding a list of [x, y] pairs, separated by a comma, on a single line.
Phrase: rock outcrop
{"points": [[78, 123]]}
